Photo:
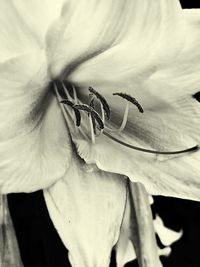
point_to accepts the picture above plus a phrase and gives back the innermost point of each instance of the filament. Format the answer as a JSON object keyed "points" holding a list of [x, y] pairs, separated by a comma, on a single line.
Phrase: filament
{"points": [[125, 118], [102, 114], [75, 95], [60, 99], [66, 92], [123, 123], [92, 129]]}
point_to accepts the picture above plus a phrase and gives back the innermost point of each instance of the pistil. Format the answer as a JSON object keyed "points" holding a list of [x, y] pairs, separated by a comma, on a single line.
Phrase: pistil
{"points": [[94, 117]]}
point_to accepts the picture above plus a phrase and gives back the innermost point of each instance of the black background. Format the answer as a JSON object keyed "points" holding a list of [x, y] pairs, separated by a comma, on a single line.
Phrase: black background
{"points": [[41, 246]]}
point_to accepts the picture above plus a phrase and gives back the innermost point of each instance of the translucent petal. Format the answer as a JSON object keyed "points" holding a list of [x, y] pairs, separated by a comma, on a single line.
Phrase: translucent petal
{"points": [[87, 207], [34, 142]]}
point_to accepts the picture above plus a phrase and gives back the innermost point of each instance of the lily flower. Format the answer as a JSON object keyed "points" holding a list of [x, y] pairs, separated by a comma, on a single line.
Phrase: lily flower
{"points": [[97, 107]]}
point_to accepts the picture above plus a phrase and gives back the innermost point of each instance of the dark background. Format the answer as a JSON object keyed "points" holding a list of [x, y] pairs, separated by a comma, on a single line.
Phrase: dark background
{"points": [[40, 245]]}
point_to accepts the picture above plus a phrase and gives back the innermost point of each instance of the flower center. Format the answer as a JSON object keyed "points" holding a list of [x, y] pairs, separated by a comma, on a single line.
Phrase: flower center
{"points": [[74, 108]]}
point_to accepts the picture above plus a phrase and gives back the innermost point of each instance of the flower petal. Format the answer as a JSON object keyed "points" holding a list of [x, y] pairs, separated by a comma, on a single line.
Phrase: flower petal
{"points": [[125, 251], [39, 15], [181, 73], [166, 235], [176, 175], [87, 208], [34, 142], [98, 35], [24, 25], [170, 122]]}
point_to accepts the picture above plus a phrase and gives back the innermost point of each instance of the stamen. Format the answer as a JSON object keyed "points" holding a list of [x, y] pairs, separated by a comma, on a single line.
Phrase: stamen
{"points": [[92, 112], [59, 87], [92, 103], [123, 123], [131, 99], [125, 117], [191, 149], [102, 100], [66, 112], [76, 111]]}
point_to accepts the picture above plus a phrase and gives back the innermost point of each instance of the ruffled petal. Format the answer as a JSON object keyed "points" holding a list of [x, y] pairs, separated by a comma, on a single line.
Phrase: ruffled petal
{"points": [[24, 24], [34, 143], [101, 34], [87, 207]]}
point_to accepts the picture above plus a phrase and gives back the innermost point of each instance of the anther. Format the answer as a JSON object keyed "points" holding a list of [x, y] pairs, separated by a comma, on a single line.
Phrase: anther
{"points": [[131, 99], [66, 113], [91, 112], [102, 100], [76, 111]]}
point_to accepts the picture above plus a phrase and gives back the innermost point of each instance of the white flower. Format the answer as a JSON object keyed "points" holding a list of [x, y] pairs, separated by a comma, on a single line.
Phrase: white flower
{"points": [[147, 50]]}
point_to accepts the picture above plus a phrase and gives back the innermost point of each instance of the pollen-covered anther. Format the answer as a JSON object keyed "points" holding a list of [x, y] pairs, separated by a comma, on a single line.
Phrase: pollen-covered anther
{"points": [[76, 111], [102, 100], [131, 100], [93, 118], [91, 112]]}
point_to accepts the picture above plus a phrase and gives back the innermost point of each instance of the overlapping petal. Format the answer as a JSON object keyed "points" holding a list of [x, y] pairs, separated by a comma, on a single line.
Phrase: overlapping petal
{"points": [[168, 130], [23, 25], [87, 207], [101, 34], [170, 121], [108, 41], [181, 74], [34, 142], [164, 87]]}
